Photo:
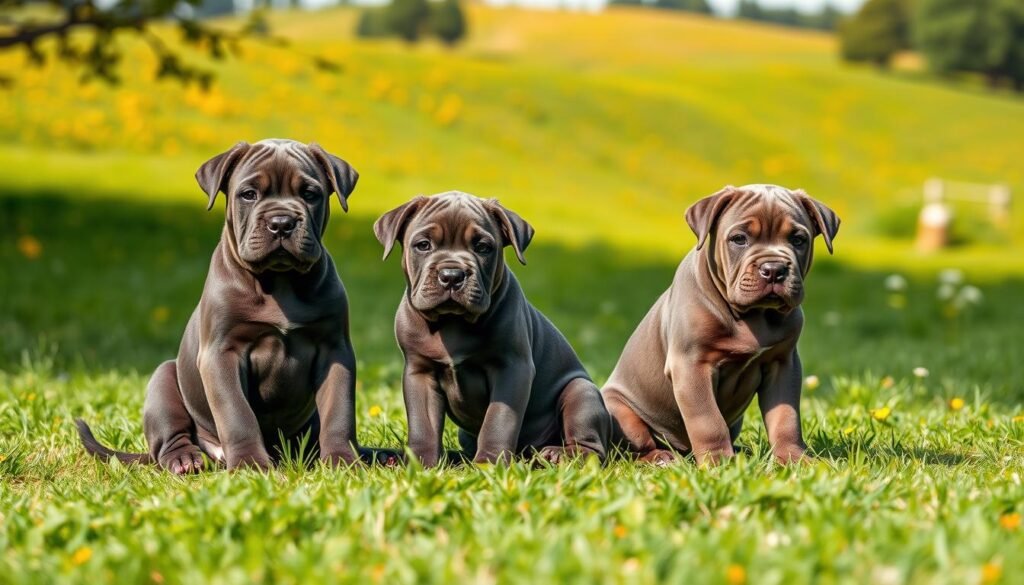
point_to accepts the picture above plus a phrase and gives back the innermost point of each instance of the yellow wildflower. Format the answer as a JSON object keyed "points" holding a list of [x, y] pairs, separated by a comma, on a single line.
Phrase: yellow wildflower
{"points": [[1010, 520], [30, 247], [81, 555], [376, 411], [812, 383], [881, 413], [956, 403], [736, 575], [990, 573]]}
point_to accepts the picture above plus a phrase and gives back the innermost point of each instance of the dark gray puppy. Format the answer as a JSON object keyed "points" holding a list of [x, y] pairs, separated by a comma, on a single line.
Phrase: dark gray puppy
{"points": [[475, 348], [725, 331], [267, 351]]}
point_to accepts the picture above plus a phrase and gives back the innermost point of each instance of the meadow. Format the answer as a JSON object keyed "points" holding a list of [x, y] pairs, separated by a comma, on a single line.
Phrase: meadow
{"points": [[599, 129]]}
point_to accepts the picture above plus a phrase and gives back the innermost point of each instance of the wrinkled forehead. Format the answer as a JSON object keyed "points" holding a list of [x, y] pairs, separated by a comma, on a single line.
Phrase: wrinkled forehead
{"points": [[765, 207], [453, 214], [277, 161]]}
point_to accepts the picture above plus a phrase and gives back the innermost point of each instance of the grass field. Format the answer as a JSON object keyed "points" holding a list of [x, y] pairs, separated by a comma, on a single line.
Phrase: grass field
{"points": [[599, 129]]}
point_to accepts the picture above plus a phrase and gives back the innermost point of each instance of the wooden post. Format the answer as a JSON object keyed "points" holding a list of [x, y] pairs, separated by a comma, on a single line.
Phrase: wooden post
{"points": [[936, 219]]}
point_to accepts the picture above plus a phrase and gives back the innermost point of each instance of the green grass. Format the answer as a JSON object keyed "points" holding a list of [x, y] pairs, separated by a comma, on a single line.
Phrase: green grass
{"points": [[599, 129]]}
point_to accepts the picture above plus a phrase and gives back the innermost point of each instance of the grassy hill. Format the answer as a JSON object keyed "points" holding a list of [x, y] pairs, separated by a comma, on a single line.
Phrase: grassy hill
{"points": [[596, 126]]}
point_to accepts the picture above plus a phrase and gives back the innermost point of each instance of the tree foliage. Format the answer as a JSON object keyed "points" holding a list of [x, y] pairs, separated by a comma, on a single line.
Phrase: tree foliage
{"points": [[879, 30], [825, 19], [408, 19], [698, 6], [983, 36], [84, 33], [448, 21]]}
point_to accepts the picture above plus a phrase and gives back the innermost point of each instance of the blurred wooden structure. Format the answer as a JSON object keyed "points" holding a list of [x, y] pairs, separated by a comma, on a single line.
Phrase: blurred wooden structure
{"points": [[934, 224]]}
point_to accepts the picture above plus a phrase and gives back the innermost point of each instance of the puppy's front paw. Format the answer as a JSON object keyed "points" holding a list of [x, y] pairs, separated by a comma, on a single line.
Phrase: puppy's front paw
{"points": [[790, 454], [659, 457], [557, 455], [256, 459], [182, 461]]}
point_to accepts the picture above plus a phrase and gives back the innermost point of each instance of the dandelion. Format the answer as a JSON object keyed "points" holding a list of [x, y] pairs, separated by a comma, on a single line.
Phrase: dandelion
{"points": [[848, 431], [1018, 419], [30, 247], [1010, 520], [736, 575], [81, 556], [3, 458], [956, 404], [920, 372], [951, 276], [449, 110], [991, 572], [970, 295], [375, 411], [880, 414], [620, 531], [888, 382], [812, 383], [946, 292], [160, 314], [895, 283]]}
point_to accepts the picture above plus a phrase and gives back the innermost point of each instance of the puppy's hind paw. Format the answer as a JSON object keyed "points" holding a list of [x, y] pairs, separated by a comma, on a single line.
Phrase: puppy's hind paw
{"points": [[558, 455], [183, 461]]}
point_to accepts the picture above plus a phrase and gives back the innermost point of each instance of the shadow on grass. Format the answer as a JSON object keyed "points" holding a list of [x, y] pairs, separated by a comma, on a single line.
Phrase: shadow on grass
{"points": [[112, 282]]}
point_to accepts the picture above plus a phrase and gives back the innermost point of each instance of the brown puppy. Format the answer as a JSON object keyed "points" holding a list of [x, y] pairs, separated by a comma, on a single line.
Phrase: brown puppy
{"points": [[724, 331], [267, 350], [475, 348]]}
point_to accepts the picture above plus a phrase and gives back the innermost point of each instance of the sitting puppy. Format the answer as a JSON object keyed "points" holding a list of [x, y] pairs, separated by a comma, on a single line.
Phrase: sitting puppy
{"points": [[267, 350], [724, 331], [475, 348]]}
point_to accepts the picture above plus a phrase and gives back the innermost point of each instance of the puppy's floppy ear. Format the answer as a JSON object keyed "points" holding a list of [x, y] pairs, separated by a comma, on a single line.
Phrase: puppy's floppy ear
{"points": [[214, 174], [390, 227], [826, 222], [515, 231], [341, 174], [702, 215]]}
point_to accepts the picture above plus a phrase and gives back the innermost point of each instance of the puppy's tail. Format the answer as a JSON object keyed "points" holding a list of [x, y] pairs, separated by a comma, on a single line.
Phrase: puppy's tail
{"points": [[101, 451]]}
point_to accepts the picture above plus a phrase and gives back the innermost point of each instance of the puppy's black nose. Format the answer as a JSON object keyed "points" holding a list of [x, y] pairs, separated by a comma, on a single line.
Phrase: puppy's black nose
{"points": [[774, 271], [451, 278], [281, 225]]}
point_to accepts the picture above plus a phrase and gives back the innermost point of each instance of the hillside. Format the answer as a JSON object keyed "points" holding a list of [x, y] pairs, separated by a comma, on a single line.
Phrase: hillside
{"points": [[595, 126]]}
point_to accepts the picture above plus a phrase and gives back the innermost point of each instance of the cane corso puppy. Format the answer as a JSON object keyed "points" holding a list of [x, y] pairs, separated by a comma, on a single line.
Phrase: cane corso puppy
{"points": [[725, 331], [475, 349], [266, 352]]}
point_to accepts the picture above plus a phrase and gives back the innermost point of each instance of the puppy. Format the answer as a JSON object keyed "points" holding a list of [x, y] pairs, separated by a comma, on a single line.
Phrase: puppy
{"points": [[475, 349], [725, 331], [267, 350]]}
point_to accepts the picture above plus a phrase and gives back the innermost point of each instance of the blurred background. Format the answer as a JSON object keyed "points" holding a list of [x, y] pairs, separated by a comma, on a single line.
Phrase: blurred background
{"points": [[598, 123]]}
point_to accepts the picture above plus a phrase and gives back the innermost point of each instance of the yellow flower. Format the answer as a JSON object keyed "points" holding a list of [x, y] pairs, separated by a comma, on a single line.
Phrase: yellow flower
{"points": [[1018, 419], [620, 531], [30, 247], [376, 411], [31, 396], [3, 458], [81, 555], [160, 314], [888, 382], [449, 110], [848, 430], [881, 413], [956, 403], [736, 575], [1010, 520], [812, 383], [990, 573]]}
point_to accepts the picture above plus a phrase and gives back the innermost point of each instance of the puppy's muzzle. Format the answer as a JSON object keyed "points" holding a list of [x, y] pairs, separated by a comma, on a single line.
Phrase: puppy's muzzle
{"points": [[452, 279], [282, 226], [773, 272]]}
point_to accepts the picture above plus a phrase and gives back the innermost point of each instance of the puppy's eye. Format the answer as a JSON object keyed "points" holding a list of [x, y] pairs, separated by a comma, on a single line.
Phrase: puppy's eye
{"points": [[483, 248], [423, 245], [739, 239], [248, 195], [310, 194], [798, 240]]}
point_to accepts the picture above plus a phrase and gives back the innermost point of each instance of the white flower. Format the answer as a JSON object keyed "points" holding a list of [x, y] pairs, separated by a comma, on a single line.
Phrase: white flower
{"points": [[946, 291], [921, 372], [951, 276], [970, 295], [812, 382], [895, 283]]}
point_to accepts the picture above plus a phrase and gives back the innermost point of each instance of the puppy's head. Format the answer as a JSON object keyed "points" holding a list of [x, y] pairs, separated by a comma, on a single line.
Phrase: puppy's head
{"points": [[277, 200], [452, 250], [760, 242]]}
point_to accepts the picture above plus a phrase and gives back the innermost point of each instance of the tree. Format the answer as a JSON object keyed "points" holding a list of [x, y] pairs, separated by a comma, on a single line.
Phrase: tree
{"points": [[86, 32], [408, 18], [448, 21], [699, 6], [983, 36], [879, 30]]}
